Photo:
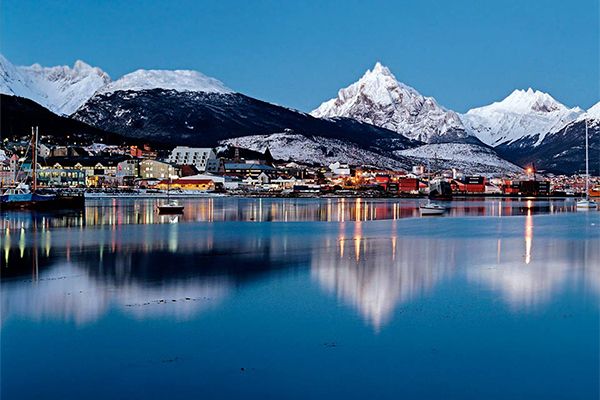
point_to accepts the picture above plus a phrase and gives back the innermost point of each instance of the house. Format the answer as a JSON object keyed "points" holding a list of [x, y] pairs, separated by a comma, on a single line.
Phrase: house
{"points": [[260, 179]]}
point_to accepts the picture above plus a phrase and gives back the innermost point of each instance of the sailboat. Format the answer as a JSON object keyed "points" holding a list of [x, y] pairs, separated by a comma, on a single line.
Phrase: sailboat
{"points": [[586, 203], [171, 206], [432, 208], [25, 197]]}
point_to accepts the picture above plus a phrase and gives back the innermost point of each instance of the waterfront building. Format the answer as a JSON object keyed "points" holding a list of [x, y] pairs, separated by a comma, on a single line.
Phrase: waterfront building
{"points": [[61, 177], [154, 169], [187, 184], [204, 159], [98, 170]]}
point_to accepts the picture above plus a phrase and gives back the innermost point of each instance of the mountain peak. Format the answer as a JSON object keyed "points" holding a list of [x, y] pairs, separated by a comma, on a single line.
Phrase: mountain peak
{"points": [[380, 69], [523, 113], [81, 65], [377, 98], [525, 101], [61, 89], [180, 80]]}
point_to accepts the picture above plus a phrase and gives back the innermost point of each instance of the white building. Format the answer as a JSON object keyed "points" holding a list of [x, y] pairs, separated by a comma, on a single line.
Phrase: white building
{"points": [[204, 159], [340, 169]]}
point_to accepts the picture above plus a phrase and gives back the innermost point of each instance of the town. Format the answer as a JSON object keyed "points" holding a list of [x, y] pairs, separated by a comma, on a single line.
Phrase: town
{"points": [[104, 170]]}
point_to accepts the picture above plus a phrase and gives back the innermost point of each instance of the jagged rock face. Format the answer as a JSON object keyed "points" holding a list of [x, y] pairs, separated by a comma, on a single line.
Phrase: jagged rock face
{"points": [[61, 89], [379, 99], [523, 116]]}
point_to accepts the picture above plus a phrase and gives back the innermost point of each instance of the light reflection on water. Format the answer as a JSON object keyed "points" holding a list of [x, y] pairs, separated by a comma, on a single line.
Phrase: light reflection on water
{"points": [[116, 212]]}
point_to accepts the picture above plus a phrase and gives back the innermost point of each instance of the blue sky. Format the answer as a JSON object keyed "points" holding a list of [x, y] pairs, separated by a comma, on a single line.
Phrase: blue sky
{"points": [[299, 53]]}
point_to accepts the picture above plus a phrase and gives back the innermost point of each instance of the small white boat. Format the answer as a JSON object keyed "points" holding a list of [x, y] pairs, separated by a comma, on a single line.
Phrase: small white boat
{"points": [[586, 204], [172, 207], [432, 209]]}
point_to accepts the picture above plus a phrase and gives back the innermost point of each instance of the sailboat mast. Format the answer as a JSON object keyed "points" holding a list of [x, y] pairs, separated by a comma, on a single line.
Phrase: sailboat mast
{"points": [[587, 163], [34, 145]]}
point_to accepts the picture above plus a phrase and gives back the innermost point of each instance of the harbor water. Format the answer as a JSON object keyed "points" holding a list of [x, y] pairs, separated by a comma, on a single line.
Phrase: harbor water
{"points": [[301, 298]]}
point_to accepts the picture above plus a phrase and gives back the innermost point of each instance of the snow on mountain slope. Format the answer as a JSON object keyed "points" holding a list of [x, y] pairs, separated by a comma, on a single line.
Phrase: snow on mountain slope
{"points": [[64, 89], [313, 150], [61, 89], [593, 113], [379, 99], [180, 80], [524, 113], [463, 156]]}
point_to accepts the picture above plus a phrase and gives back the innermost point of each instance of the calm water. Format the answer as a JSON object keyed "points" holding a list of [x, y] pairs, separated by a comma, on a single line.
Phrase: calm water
{"points": [[362, 299]]}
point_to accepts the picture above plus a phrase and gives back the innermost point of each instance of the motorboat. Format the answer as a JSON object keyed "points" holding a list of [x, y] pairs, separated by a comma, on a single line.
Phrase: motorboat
{"points": [[586, 204], [432, 209]]}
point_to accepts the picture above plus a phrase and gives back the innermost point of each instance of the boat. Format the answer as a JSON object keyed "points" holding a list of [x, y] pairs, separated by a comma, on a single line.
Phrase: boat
{"points": [[432, 209], [172, 206], [439, 189], [24, 197], [586, 203]]}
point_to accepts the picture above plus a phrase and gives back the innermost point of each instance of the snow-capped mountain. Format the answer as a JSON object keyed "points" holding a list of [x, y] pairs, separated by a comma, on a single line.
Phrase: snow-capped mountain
{"points": [[561, 151], [324, 151], [203, 119], [379, 99], [523, 114], [592, 114], [316, 150], [64, 89], [463, 156], [61, 89], [179, 80]]}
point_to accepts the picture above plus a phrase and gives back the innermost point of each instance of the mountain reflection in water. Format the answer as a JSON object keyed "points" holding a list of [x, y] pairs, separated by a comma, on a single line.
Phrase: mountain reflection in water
{"points": [[179, 270]]}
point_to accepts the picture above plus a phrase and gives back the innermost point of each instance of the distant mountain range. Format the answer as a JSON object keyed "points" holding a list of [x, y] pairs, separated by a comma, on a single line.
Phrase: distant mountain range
{"points": [[376, 120]]}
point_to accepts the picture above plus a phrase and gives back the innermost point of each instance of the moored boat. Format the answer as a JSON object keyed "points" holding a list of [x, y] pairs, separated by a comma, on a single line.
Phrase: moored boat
{"points": [[24, 197], [432, 209], [586, 203], [172, 207]]}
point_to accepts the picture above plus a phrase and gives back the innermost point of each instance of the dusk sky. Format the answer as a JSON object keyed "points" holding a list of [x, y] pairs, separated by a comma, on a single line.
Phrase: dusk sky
{"points": [[300, 53]]}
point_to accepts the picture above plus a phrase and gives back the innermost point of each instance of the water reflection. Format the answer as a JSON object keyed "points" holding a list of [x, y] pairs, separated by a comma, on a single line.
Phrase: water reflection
{"points": [[378, 274], [178, 270], [117, 212]]}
